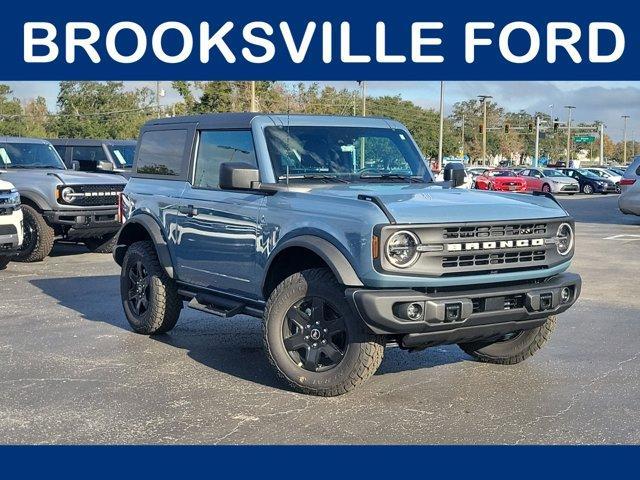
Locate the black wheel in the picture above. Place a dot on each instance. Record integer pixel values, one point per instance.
(38, 237)
(104, 244)
(512, 348)
(546, 188)
(587, 189)
(149, 297)
(4, 261)
(314, 340)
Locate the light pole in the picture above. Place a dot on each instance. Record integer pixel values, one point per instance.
(440, 140)
(624, 139)
(569, 110)
(601, 144)
(551, 117)
(483, 99)
(537, 147)
(462, 139)
(253, 96)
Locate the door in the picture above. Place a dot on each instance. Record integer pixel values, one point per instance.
(217, 229)
(534, 181)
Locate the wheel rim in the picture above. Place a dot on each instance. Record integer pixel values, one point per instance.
(314, 334)
(588, 189)
(545, 188)
(30, 236)
(138, 288)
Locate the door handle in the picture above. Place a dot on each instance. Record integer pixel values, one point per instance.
(188, 210)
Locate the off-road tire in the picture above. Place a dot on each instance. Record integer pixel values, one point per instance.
(164, 303)
(514, 350)
(363, 354)
(104, 244)
(4, 261)
(42, 245)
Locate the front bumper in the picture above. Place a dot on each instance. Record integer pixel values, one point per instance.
(606, 189)
(11, 232)
(85, 223)
(565, 188)
(457, 316)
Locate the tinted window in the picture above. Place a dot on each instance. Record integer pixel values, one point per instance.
(61, 150)
(89, 154)
(216, 147)
(161, 152)
(29, 155)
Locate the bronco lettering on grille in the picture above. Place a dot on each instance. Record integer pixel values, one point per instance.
(464, 247)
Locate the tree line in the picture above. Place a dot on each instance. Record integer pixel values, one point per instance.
(109, 110)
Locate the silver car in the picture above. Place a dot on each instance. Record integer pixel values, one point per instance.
(631, 174)
(629, 201)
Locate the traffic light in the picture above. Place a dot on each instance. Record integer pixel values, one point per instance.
(530, 127)
(480, 128)
(556, 125)
(506, 128)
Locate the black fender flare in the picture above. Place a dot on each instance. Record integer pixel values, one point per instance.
(36, 198)
(150, 225)
(326, 250)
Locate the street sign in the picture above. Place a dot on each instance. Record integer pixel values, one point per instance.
(584, 139)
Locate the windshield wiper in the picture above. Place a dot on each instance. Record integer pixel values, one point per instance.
(314, 176)
(393, 176)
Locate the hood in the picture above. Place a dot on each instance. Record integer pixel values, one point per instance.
(68, 177)
(419, 203)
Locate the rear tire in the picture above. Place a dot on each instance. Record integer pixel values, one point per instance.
(4, 261)
(514, 349)
(313, 339)
(38, 237)
(149, 297)
(104, 244)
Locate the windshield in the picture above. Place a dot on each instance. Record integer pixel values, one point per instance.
(123, 154)
(588, 173)
(29, 155)
(344, 154)
(501, 173)
(553, 173)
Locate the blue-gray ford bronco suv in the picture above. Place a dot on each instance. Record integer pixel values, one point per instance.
(333, 230)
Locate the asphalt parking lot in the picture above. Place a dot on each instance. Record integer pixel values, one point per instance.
(71, 370)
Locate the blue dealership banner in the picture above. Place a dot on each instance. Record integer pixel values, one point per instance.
(326, 40)
(526, 462)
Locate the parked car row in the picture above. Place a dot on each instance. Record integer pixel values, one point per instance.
(548, 180)
(43, 201)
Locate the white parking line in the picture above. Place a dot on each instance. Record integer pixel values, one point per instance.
(623, 236)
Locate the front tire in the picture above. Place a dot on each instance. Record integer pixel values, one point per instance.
(514, 348)
(104, 244)
(149, 297)
(546, 188)
(4, 261)
(313, 339)
(38, 237)
(587, 189)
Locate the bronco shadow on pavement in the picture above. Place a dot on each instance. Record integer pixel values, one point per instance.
(333, 230)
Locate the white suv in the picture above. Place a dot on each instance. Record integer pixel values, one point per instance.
(11, 232)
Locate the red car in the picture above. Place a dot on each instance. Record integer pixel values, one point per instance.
(501, 180)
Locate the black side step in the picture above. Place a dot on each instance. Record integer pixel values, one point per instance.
(219, 306)
(219, 310)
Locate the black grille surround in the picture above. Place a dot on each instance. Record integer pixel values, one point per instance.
(92, 195)
(479, 248)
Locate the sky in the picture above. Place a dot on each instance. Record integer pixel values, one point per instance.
(594, 101)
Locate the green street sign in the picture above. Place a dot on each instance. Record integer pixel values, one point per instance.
(584, 139)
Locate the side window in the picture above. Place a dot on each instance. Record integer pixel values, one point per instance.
(61, 151)
(89, 154)
(536, 173)
(526, 173)
(162, 152)
(217, 147)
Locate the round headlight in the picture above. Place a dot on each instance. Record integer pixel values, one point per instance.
(67, 194)
(402, 249)
(564, 239)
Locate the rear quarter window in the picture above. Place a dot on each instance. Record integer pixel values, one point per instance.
(162, 153)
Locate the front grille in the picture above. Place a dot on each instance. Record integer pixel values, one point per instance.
(8, 230)
(572, 187)
(96, 195)
(494, 259)
(455, 250)
(486, 231)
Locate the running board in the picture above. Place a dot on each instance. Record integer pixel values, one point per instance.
(219, 306)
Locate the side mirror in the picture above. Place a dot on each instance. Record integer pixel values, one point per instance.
(75, 165)
(454, 173)
(238, 176)
(105, 166)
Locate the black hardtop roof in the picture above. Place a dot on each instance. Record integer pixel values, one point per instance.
(89, 142)
(239, 120)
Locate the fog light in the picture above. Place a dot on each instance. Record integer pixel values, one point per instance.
(414, 311)
(565, 294)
